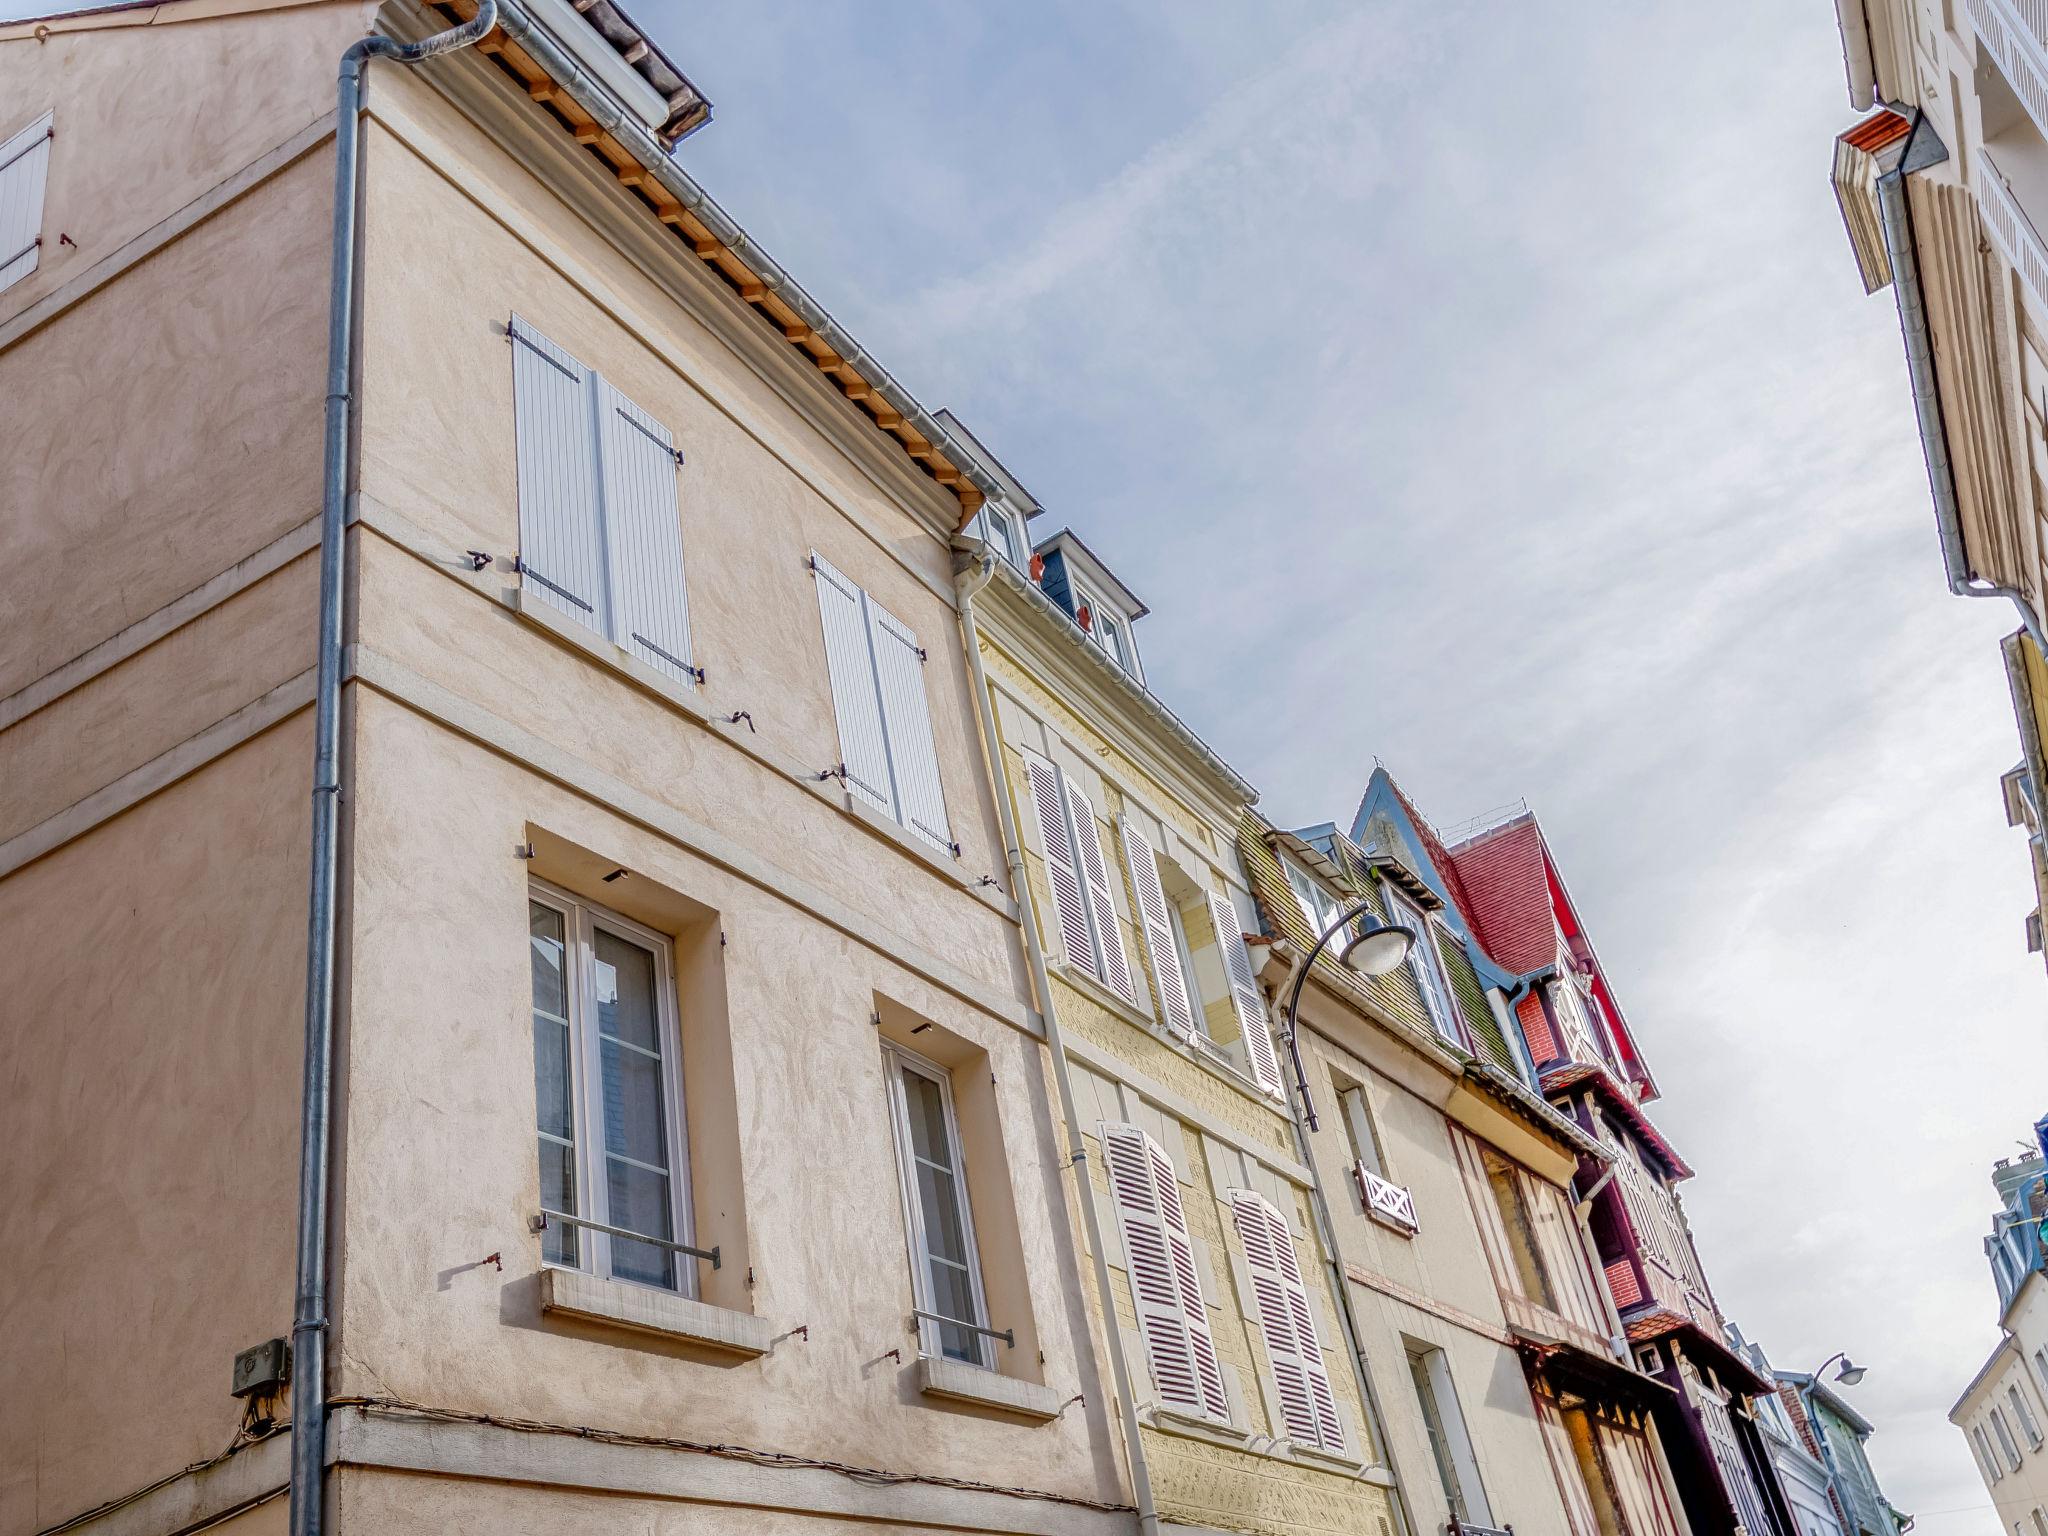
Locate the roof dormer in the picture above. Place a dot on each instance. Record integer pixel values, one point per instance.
(1093, 597)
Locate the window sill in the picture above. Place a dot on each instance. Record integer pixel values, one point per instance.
(590, 1298)
(1169, 1421)
(956, 1381)
(1206, 1053)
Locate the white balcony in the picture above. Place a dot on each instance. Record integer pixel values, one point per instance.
(2011, 230)
(1388, 1204)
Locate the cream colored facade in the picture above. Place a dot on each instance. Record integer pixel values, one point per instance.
(2004, 1414)
(1089, 757)
(162, 373)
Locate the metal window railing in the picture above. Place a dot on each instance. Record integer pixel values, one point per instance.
(1007, 1335)
(540, 1222)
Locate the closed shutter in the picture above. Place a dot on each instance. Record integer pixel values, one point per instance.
(1158, 926)
(907, 724)
(645, 540)
(1245, 994)
(24, 169)
(856, 699)
(1115, 972)
(1165, 1284)
(561, 542)
(1308, 1405)
(1048, 803)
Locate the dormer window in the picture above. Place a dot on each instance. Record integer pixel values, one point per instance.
(1000, 529)
(1319, 908)
(1107, 628)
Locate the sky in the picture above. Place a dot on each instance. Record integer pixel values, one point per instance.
(1497, 399)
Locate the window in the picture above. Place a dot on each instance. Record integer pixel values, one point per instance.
(1358, 1125)
(1319, 909)
(945, 1267)
(2023, 1412)
(2006, 1443)
(1249, 1003)
(1308, 1405)
(1165, 938)
(1451, 1447)
(608, 1093)
(887, 756)
(1067, 833)
(24, 168)
(1166, 1285)
(1504, 1179)
(2041, 1367)
(600, 532)
(1107, 628)
(1189, 979)
(1002, 534)
(1427, 967)
(1992, 1470)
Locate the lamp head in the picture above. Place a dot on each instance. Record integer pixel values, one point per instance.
(1378, 949)
(1850, 1373)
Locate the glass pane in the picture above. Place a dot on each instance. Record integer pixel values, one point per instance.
(944, 1235)
(558, 1193)
(545, 926)
(625, 992)
(927, 1107)
(953, 1296)
(634, 1123)
(551, 1078)
(640, 1203)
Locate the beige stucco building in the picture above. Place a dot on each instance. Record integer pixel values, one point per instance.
(2003, 1412)
(674, 916)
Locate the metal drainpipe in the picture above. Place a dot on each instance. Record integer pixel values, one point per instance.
(309, 1319)
(1326, 1234)
(1895, 217)
(965, 586)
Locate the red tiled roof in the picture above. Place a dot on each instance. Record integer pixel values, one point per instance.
(1736, 1373)
(1876, 131)
(1616, 1098)
(1508, 894)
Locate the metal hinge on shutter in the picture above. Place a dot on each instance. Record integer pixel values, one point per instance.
(513, 336)
(520, 566)
(641, 427)
(672, 659)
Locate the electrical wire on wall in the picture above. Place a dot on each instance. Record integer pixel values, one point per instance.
(259, 1424)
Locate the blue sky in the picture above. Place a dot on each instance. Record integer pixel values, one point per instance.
(1498, 398)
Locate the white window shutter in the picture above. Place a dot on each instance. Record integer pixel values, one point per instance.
(1165, 1285)
(644, 535)
(1048, 804)
(24, 171)
(856, 699)
(1308, 1404)
(1245, 995)
(907, 724)
(1158, 926)
(1115, 971)
(561, 543)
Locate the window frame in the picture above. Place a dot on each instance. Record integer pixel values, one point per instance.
(1184, 953)
(1318, 906)
(2024, 1412)
(1438, 1000)
(1354, 1107)
(2006, 1443)
(1002, 531)
(582, 920)
(32, 138)
(899, 1060)
(1457, 1464)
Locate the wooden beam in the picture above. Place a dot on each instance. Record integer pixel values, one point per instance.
(708, 248)
(946, 477)
(858, 389)
(631, 175)
(888, 419)
(798, 332)
(670, 214)
(830, 360)
(589, 135)
(637, 52)
(753, 293)
(494, 43)
(542, 90)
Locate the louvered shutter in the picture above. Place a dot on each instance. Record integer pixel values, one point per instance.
(1048, 804)
(907, 723)
(1158, 926)
(1165, 1285)
(561, 545)
(1308, 1402)
(1245, 995)
(856, 698)
(1115, 971)
(24, 170)
(644, 535)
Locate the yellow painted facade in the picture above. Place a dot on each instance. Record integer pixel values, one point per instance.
(1053, 697)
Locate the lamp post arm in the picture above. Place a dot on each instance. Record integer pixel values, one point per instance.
(1344, 920)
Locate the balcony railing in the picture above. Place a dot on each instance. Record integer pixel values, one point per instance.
(2015, 33)
(1386, 1202)
(2006, 222)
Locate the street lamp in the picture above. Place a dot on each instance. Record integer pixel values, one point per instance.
(1374, 950)
(1848, 1375)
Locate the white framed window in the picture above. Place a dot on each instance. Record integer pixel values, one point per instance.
(608, 1093)
(888, 757)
(1190, 978)
(1107, 628)
(1165, 938)
(1319, 908)
(1002, 531)
(2041, 1369)
(1427, 967)
(945, 1264)
(24, 173)
(2003, 1432)
(1360, 1128)
(1068, 837)
(1449, 1444)
(1166, 1282)
(2023, 1413)
(600, 526)
(1989, 1460)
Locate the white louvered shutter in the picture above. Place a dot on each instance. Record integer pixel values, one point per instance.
(1165, 1285)
(1048, 804)
(1245, 995)
(907, 724)
(856, 699)
(1115, 970)
(644, 535)
(561, 543)
(1308, 1405)
(1158, 926)
(24, 171)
